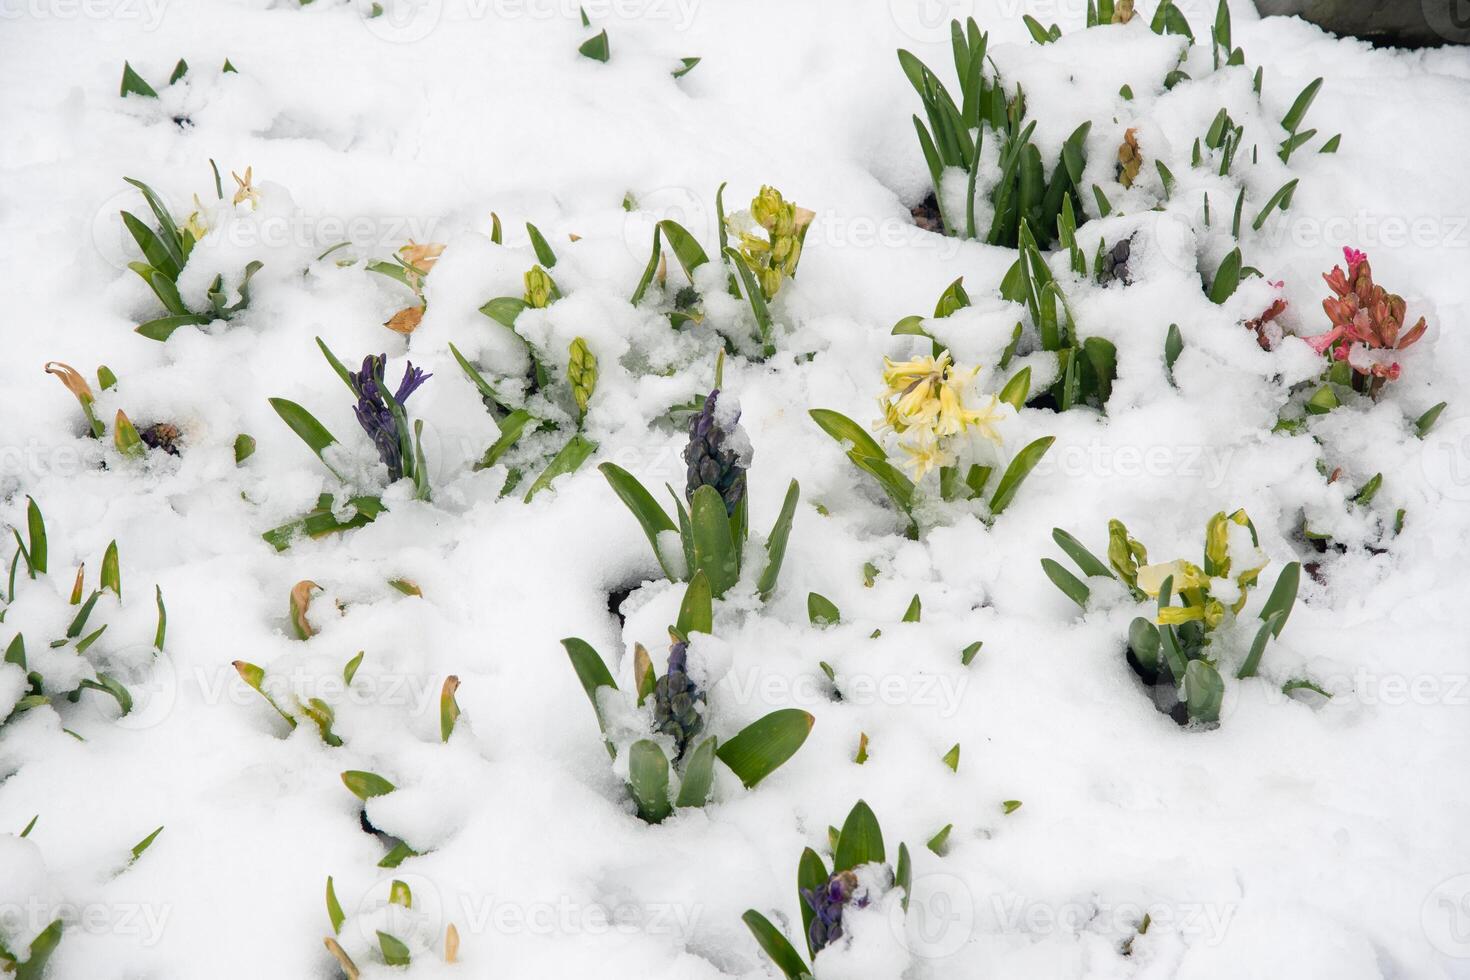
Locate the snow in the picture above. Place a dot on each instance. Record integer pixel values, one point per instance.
(1305, 837)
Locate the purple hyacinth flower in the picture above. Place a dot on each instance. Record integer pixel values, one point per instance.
(386, 428)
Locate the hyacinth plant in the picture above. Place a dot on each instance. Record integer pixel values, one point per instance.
(1177, 654)
(127, 438)
(382, 414)
(399, 933)
(769, 237)
(953, 140)
(134, 84)
(410, 266)
(859, 876)
(657, 728)
(544, 399)
(166, 248)
(714, 528)
(80, 660)
(42, 945)
(1367, 328)
(938, 427)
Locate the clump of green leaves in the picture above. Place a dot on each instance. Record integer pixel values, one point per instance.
(952, 134)
(1176, 654)
(547, 398)
(1086, 366)
(825, 893)
(394, 948)
(83, 637)
(134, 84)
(657, 726)
(166, 248)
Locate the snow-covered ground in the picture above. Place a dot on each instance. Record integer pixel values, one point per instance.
(1302, 837)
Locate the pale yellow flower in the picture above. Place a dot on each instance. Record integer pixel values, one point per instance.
(1185, 575)
(925, 453)
(246, 190)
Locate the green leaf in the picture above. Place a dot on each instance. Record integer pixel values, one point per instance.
(1227, 278)
(1258, 645)
(715, 550)
(1017, 471)
(1332, 144)
(144, 844)
(504, 310)
(821, 611)
(952, 758)
(1281, 199)
(577, 451)
(396, 855)
(648, 778)
(168, 228)
(544, 254)
(776, 543)
(45, 943)
(133, 84)
(1283, 596)
(596, 47)
(686, 247)
(650, 516)
(349, 671)
(366, 785)
(687, 66)
(1298, 110)
(448, 708)
(861, 840)
(153, 250)
(395, 953)
(162, 629)
(699, 774)
(755, 297)
(1426, 421)
(937, 842)
(244, 447)
(105, 682)
(776, 946)
(1086, 560)
(765, 744)
(1072, 587)
(334, 908)
(1203, 691)
(591, 671)
(696, 612)
(846, 432)
(161, 328)
(903, 874)
(899, 488)
(36, 532)
(306, 426)
(1173, 347)
(967, 655)
(1143, 640)
(1015, 391)
(1369, 490)
(914, 611)
(180, 70)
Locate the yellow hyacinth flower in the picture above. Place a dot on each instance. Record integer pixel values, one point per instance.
(925, 453)
(1185, 575)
